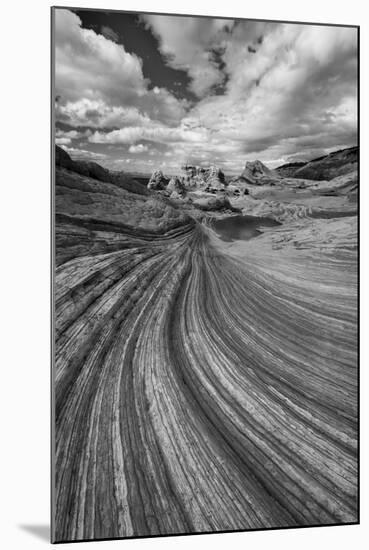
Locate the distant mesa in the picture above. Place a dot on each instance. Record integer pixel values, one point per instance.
(326, 167)
(97, 172)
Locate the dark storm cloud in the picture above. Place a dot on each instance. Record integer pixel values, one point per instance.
(129, 30)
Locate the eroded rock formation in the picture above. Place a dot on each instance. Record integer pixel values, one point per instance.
(238, 186)
(256, 173)
(210, 180)
(157, 182)
(176, 187)
(209, 203)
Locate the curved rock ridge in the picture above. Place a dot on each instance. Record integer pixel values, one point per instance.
(199, 386)
(95, 171)
(288, 170)
(346, 184)
(327, 167)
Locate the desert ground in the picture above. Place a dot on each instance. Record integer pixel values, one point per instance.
(205, 349)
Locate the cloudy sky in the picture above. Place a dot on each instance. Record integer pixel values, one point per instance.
(142, 92)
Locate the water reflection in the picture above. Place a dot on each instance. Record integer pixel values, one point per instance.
(244, 228)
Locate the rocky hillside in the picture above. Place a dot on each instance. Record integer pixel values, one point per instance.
(288, 170)
(203, 385)
(327, 167)
(208, 189)
(92, 214)
(97, 172)
(210, 180)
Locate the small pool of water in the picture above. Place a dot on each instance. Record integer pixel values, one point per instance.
(244, 228)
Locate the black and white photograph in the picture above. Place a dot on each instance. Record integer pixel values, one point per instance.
(205, 190)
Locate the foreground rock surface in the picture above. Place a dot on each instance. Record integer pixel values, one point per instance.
(201, 385)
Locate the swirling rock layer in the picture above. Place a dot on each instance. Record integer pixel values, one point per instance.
(199, 386)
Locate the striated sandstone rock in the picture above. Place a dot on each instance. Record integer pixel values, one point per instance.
(86, 208)
(215, 180)
(97, 172)
(209, 203)
(288, 170)
(327, 167)
(176, 187)
(177, 356)
(157, 182)
(346, 184)
(209, 179)
(256, 173)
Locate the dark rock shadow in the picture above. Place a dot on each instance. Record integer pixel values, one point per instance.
(40, 531)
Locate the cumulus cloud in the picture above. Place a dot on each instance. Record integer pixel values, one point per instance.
(140, 148)
(287, 91)
(96, 114)
(83, 154)
(159, 133)
(93, 68)
(62, 141)
(71, 134)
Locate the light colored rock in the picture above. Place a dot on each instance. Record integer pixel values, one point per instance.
(157, 182)
(176, 187)
(256, 173)
(210, 203)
